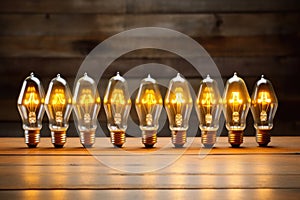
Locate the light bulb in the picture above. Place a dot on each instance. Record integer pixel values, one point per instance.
(148, 105)
(58, 104)
(208, 107)
(178, 104)
(86, 103)
(117, 106)
(236, 103)
(31, 109)
(264, 105)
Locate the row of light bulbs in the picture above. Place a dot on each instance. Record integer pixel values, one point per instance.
(86, 102)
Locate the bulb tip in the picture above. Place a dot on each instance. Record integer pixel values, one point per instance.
(208, 76)
(32, 74)
(58, 75)
(262, 76)
(118, 73)
(85, 74)
(149, 76)
(235, 74)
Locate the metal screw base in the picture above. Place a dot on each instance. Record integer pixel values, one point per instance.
(235, 138)
(117, 138)
(263, 138)
(32, 138)
(87, 138)
(58, 138)
(208, 138)
(149, 138)
(178, 138)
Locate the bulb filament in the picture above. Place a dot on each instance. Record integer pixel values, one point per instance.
(178, 100)
(118, 99)
(264, 103)
(31, 102)
(58, 102)
(236, 103)
(207, 102)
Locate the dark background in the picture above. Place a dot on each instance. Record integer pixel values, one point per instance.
(252, 37)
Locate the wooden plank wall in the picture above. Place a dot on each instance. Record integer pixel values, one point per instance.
(251, 37)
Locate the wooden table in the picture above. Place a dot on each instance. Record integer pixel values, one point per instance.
(78, 173)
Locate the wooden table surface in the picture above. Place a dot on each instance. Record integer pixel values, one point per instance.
(163, 172)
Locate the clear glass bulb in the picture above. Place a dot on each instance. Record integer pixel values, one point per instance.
(178, 104)
(263, 106)
(236, 102)
(117, 106)
(86, 103)
(31, 108)
(148, 105)
(58, 104)
(208, 107)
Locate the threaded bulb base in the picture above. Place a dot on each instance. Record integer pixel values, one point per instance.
(87, 138)
(32, 138)
(149, 138)
(178, 138)
(58, 138)
(263, 138)
(117, 138)
(208, 138)
(235, 138)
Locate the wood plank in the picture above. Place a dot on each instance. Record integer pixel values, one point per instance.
(77, 46)
(66, 6)
(247, 66)
(194, 25)
(194, 6)
(11, 147)
(231, 194)
(144, 6)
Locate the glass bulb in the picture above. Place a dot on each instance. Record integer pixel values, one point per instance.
(31, 108)
(208, 107)
(117, 106)
(58, 104)
(148, 105)
(178, 104)
(264, 105)
(236, 102)
(86, 103)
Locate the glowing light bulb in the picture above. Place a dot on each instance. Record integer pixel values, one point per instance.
(86, 103)
(148, 105)
(31, 108)
(117, 106)
(263, 106)
(178, 104)
(236, 102)
(208, 107)
(58, 104)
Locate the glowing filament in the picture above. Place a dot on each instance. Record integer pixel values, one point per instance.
(118, 99)
(264, 102)
(148, 100)
(31, 102)
(207, 102)
(87, 101)
(236, 104)
(178, 100)
(58, 102)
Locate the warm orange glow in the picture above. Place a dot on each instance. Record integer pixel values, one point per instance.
(31, 101)
(264, 100)
(207, 101)
(236, 103)
(58, 103)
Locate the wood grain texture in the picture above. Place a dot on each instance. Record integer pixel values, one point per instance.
(77, 46)
(76, 172)
(144, 6)
(194, 25)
